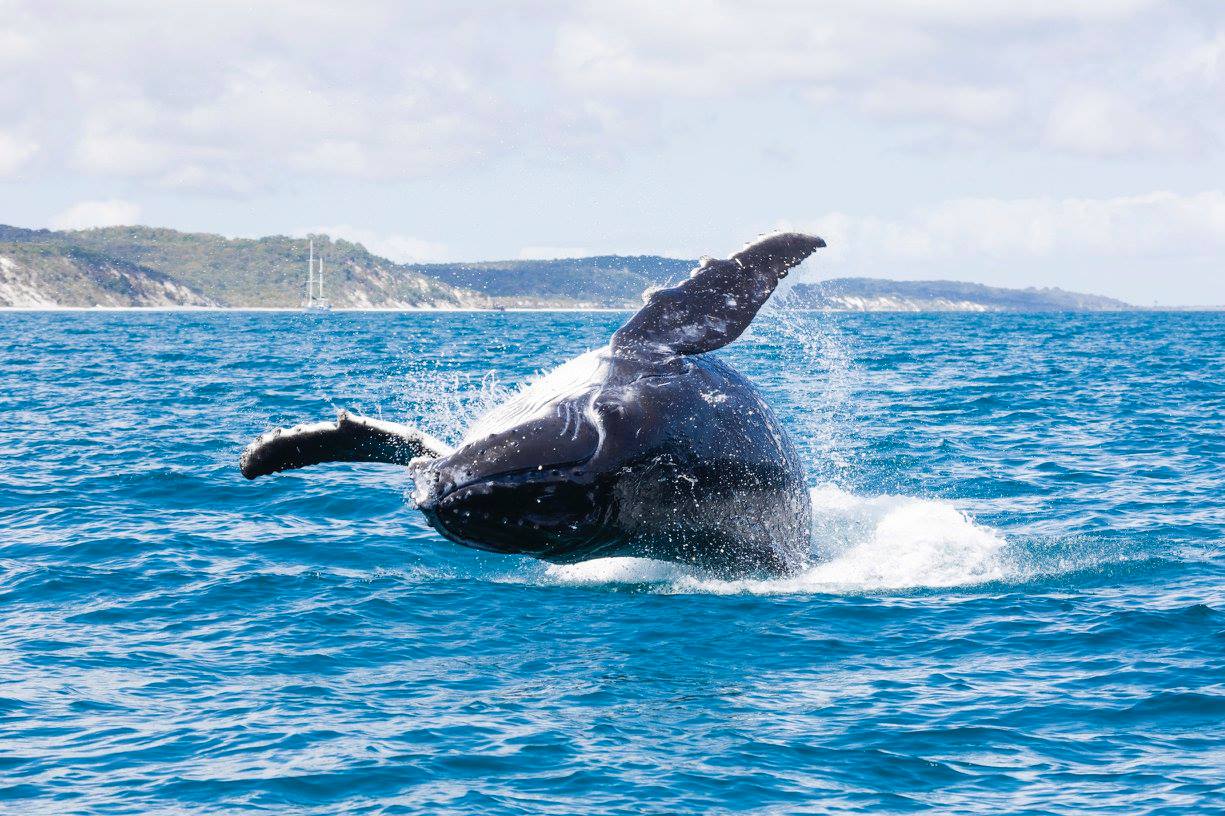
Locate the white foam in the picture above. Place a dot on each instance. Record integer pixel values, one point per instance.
(860, 544)
(616, 571)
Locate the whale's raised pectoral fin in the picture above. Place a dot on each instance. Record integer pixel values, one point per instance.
(717, 302)
(348, 439)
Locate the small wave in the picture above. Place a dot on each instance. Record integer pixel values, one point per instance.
(616, 571)
(860, 544)
(895, 542)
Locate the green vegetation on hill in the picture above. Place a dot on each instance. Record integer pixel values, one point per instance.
(604, 280)
(872, 294)
(269, 271)
(149, 266)
(36, 274)
(265, 272)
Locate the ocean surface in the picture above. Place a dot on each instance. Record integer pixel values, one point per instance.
(1016, 601)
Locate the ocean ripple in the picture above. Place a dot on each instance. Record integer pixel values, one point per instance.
(1015, 602)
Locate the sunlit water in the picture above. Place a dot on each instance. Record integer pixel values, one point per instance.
(1016, 601)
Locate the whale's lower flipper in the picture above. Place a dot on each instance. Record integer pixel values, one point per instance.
(717, 302)
(348, 439)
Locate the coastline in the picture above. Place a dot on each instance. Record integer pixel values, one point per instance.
(570, 309)
(299, 310)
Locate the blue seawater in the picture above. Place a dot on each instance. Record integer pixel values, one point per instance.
(1016, 603)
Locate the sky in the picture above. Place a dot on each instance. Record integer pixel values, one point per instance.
(1070, 143)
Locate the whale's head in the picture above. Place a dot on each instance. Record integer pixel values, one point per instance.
(522, 480)
(527, 489)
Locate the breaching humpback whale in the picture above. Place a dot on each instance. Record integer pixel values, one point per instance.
(649, 447)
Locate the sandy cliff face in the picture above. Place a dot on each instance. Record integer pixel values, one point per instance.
(267, 272)
(143, 266)
(47, 277)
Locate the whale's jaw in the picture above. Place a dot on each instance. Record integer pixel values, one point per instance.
(549, 514)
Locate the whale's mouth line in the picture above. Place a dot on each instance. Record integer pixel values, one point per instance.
(507, 478)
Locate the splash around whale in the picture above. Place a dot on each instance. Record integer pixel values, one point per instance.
(648, 447)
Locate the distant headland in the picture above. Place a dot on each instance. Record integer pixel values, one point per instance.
(157, 267)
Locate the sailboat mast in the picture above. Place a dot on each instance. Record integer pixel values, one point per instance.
(310, 275)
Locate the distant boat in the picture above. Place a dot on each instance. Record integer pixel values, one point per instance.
(314, 283)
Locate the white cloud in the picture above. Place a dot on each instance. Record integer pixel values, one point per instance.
(15, 152)
(15, 46)
(550, 253)
(1101, 122)
(182, 97)
(1159, 223)
(398, 248)
(87, 214)
(701, 49)
(217, 180)
(957, 103)
(228, 98)
(1003, 11)
(113, 153)
(1201, 59)
(1128, 241)
(996, 68)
